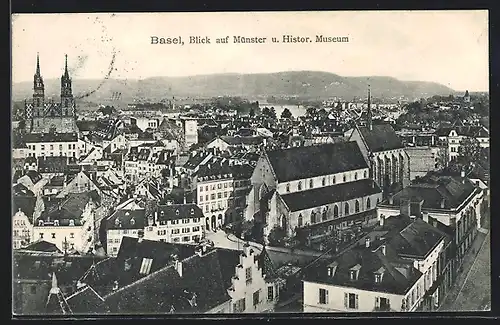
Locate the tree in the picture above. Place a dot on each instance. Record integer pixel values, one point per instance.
(276, 236)
(286, 114)
(266, 111)
(272, 113)
(469, 150)
(252, 112)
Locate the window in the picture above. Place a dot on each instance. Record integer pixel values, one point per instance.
(248, 275)
(125, 231)
(201, 198)
(365, 174)
(115, 249)
(368, 203)
(219, 186)
(53, 235)
(219, 195)
(323, 296)
(176, 240)
(239, 306)
(212, 196)
(56, 222)
(300, 221)
(146, 266)
(378, 278)
(72, 222)
(175, 231)
(225, 185)
(33, 289)
(345, 177)
(270, 293)
(356, 176)
(288, 188)
(185, 230)
(323, 181)
(201, 188)
(382, 304)
(51, 147)
(206, 188)
(72, 235)
(197, 228)
(256, 298)
(225, 194)
(346, 208)
(336, 211)
(333, 179)
(60, 147)
(351, 300)
(299, 186)
(356, 206)
(311, 183)
(206, 197)
(185, 238)
(313, 217)
(185, 220)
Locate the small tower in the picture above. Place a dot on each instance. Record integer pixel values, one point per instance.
(56, 302)
(67, 101)
(369, 111)
(467, 97)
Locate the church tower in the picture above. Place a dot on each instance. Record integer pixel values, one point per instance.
(67, 100)
(38, 90)
(369, 111)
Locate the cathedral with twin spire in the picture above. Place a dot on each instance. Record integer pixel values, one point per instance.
(44, 115)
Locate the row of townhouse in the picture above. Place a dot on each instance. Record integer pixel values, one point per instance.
(411, 259)
(173, 223)
(451, 137)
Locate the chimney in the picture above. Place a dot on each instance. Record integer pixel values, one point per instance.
(140, 236)
(178, 267)
(443, 201)
(382, 221)
(425, 216)
(404, 207)
(462, 173)
(184, 198)
(382, 249)
(367, 242)
(391, 200)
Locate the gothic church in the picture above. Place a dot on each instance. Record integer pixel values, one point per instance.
(43, 115)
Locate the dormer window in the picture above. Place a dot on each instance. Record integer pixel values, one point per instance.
(331, 268)
(56, 223)
(378, 278)
(311, 183)
(162, 213)
(132, 221)
(192, 211)
(71, 223)
(40, 222)
(299, 186)
(288, 188)
(354, 272)
(117, 221)
(176, 212)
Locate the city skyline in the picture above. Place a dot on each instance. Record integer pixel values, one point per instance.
(424, 36)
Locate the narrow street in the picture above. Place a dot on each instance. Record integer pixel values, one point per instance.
(472, 291)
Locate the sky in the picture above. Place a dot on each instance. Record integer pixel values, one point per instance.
(448, 47)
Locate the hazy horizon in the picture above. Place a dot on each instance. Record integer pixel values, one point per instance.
(445, 47)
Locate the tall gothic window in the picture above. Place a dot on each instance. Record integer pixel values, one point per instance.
(356, 206)
(368, 203)
(346, 208)
(313, 217)
(311, 183)
(323, 181)
(336, 211)
(324, 215)
(365, 174)
(299, 186)
(345, 177)
(288, 188)
(300, 221)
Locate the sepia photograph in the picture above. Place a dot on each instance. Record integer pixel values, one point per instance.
(331, 162)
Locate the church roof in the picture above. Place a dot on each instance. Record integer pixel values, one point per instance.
(312, 161)
(381, 137)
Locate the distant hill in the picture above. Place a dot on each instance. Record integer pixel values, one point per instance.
(295, 83)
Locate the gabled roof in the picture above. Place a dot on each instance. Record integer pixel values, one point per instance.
(320, 196)
(126, 219)
(86, 301)
(382, 137)
(312, 161)
(417, 239)
(368, 261)
(468, 131)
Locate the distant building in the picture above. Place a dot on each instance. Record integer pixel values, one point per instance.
(53, 144)
(451, 137)
(422, 160)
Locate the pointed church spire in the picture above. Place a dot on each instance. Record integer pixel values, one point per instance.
(369, 111)
(37, 64)
(66, 74)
